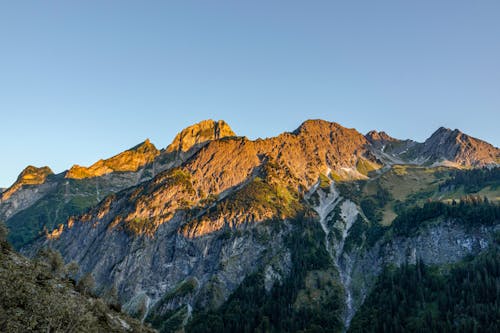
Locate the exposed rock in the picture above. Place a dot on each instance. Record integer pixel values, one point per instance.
(129, 160)
(29, 176)
(214, 208)
(199, 133)
(454, 146)
(224, 166)
(31, 185)
(38, 297)
(439, 243)
(444, 147)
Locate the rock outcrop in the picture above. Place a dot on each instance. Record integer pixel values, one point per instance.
(39, 296)
(128, 161)
(446, 145)
(214, 208)
(29, 176)
(32, 184)
(202, 132)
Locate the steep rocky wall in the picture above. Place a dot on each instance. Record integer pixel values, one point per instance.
(440, 243)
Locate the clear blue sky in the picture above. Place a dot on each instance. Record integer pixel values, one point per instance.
(83, 80)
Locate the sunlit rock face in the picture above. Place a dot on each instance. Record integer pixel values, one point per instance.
(44, 200)
(129, 160)
(186, 217)
(213, 208)
(242, 170)
(29, 176)
(32, 184)
(201, 132)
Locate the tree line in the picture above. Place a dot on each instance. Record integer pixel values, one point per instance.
(421, 298)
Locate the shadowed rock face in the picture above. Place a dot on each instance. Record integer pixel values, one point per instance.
(459, 148)
(380, 139)
(44, 203)
(36, 296)
(443, 147)
(201, 132)
(289, 163)
(214, 208)
(129, 160)
(172, 227)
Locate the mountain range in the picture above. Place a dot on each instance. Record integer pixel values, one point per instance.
(306, 220)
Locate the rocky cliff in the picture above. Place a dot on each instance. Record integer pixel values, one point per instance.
(446, 145)
(214, 210)
(202, 132)
(40, 296)
(31, 185)
(129, 160)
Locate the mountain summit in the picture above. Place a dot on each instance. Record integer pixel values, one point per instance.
(29, 176)
(199, 133)
(129, 160)
(215, 216)
(457, 147)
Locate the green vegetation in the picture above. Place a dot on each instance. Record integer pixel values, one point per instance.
(251, 309)
(170, 320)
(179, 177)
(420, 298)
(40, 296)
(48, 213)
(364, 166)
(4, 231)
(173, 320)
(472, 180)
(261, 196)
(52, 210)
(470, 210)
(364, 233)
(402, 185)
(373, 205)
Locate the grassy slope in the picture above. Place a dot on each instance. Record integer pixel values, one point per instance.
(413, 185)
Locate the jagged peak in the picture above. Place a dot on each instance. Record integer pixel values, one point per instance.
(376, 136)
(205, 130)
(31, 175)
(460, 148)
(312, 125)
(443, 135)
(31, 171)
(144, 146)
(129, 160)
(444, 131)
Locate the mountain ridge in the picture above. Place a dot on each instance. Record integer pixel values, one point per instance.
(199, 222)
(192, 135)
(317, 147)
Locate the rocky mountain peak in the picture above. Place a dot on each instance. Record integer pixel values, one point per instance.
(206, 130)
(144, 147)
(129, 160)
(443, 134)
(379, 137)
(31, 175)
(459, 148)
(315, 126)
